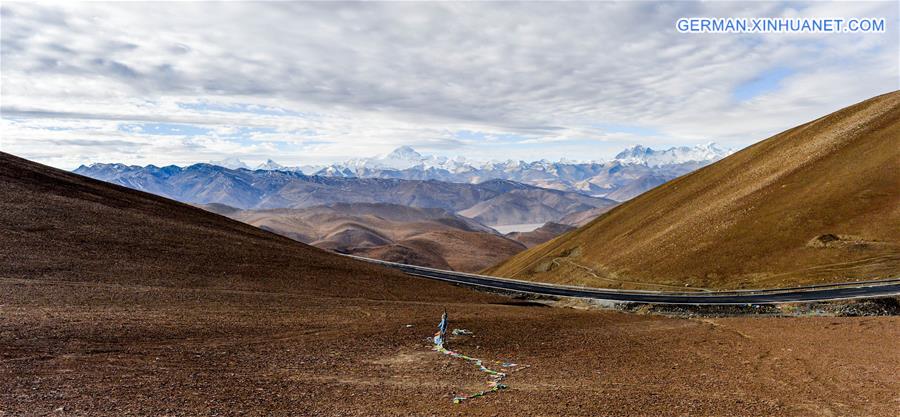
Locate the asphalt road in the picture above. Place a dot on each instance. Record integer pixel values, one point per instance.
(866, 289)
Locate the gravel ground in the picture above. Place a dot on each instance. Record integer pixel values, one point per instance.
(99, 349)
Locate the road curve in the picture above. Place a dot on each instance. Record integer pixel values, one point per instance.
(863, 289)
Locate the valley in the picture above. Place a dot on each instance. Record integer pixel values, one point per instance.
(417, 236)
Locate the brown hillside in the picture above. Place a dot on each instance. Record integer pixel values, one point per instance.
(59, 226)
(817, 203)
(582, 218)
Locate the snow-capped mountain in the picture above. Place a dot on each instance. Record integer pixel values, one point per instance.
(335, 171)
(633, 171)
(230, 163)
(271, 165)
(406, 158)
(403, 158)
(497, 202)
(677, 155)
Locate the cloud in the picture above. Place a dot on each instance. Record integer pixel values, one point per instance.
(311, 82)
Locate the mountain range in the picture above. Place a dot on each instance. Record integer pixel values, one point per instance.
(493, 202)
(631, 172)
(819, 203)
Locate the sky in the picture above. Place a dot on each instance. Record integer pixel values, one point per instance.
(309, 83)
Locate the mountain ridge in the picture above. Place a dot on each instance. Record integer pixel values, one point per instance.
(630, 169)
(599, 178)
(406, 157)
(267, 189)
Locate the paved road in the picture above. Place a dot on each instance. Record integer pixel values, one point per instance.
(868, 289)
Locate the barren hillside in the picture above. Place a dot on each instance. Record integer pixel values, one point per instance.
(817, 203)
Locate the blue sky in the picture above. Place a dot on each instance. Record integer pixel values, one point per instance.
(769, 81)
(164, 129)
(307, 83)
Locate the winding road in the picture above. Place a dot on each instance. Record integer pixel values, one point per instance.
(843, 291)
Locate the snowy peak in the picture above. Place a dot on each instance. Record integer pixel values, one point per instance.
(270, 165)
(230, 163)
(406, 153)
(403, 157)
(406, 162)
(636, 151)
(639, 154)
(107, 169)
(335, 171)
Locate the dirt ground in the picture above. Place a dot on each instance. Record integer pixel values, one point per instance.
(69, 348)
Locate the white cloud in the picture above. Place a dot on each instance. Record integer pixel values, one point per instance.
(311, 82)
